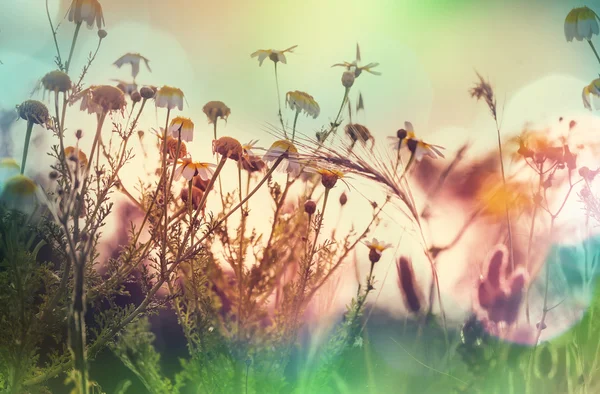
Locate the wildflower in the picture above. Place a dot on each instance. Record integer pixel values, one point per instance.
(169, 97)
(182, 128)
(376, 248)
(76, 155)
(228, 147)
(348, 79)
(189, 169)
(147, 92)
(134, 59)
(420, 149)
(215, 110)
(329, 177)
(86, 11)
(300, 101)
(172, 144)
(495, 197)
(310, 207)
(197, 195)
(57, 81)
(411, 292)
(291, 163)
(34, 111)
(581, 23)
(355, 68)
(274, 55)
(593, 89)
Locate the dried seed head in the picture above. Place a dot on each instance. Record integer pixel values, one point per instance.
(348, 78)
(310, 207)
(109, 98)
(34, 111)
(57, 81)
(147, 92)
(343, 199)
(411, 293)
(228, 147)
(215, 110)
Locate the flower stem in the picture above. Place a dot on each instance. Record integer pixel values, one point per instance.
(241, 256)
(279, 100)
(510, 238)
(334, 125)
(75, 35)
(26, 148)
(163, 265)
(594, 49)
(294, 127)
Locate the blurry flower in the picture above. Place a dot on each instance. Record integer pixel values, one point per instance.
(197, 195)
(76, 155)
(291, 163)
(21, 193)
(300, 101)
(592, 89)
(189, 169)
(495, 197)
(86, 11)
(376, 248)
(172, 148)
(8, 168)
(348, 79)
(134, 59)
(184, 126)
(126, 87)
(228, 147)
(169, 97)
(310, 207)
(34, 111)
(581, 23)
(407, 282)
(57, 81)
(274, 55)
(147, 92)
(215, 110)
(420, 149)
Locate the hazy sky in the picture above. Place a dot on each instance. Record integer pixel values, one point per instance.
(428, 50)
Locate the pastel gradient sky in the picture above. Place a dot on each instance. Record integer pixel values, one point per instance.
(429, 51)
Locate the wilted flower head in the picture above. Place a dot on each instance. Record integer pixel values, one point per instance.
(291, 162)
(376, 248)
(274, 55)
(169, 97)
(109, 98)
(34, 111)
(593, 89)
(300, 101)
(134, 59)
(172, 144)
(228, 147)
(86, 11)
(57, 81)
(581, 23)
(189, 169)
(252, 163)
(215, 110)
(182, 126)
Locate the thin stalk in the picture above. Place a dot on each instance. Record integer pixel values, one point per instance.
(294, 127)
(59, 127)
(58, 58)
(529, 247)
(510, 237)
(594, 49)
(26, 148)
(334, 125)
(279, 100)
(163, 264)
(75, 35)
(241, 256)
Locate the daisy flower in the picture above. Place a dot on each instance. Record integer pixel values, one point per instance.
(182, 126)
(21, 193)
(189, 169)
(8, 168)
(134, 59)
(228, 147)
(302, 102)
(169, 97)
(291, 162)
(274, 55)
(355, 68)
(329, 177)
(402, 135)
(376, 248)
(86, 11)
(581, 23)
(593, 89)
(420, 149)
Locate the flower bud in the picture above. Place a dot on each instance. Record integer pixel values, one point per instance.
(348, 79)
(343, 199)
(374, 255)
(147, 92)
(102, 34)
(310, 207)
(136, 97)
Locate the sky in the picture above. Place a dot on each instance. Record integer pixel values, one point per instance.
(429, 52)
